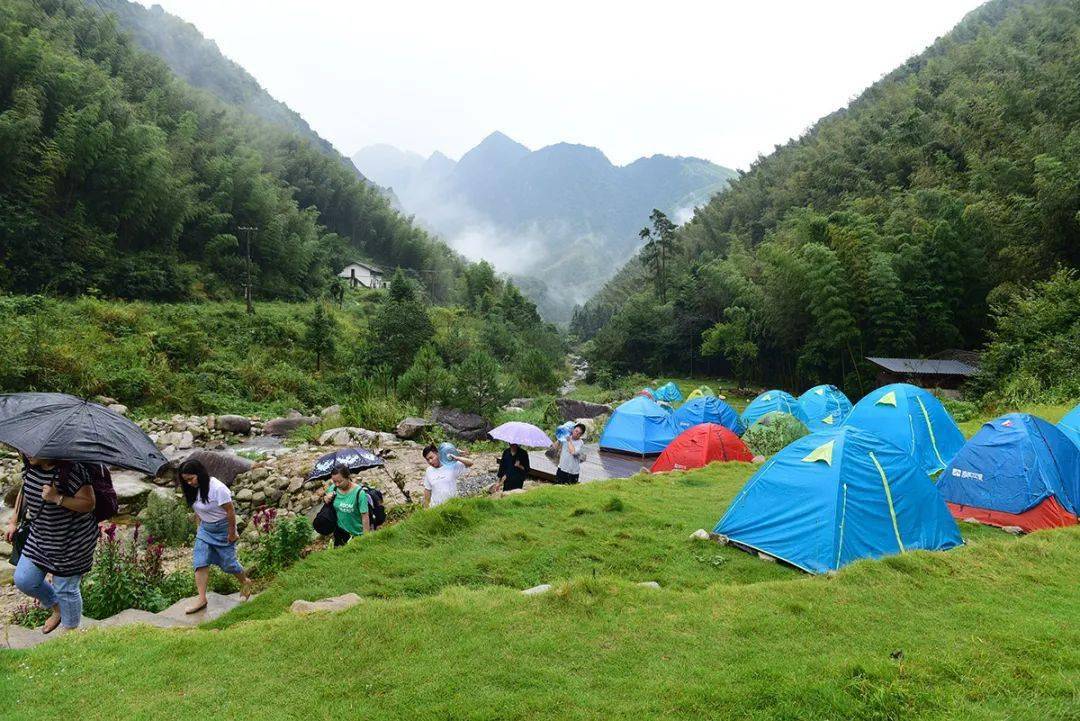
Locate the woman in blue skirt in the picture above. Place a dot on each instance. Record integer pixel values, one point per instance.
(215, 540)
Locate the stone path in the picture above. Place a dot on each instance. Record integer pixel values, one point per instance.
(17, 637)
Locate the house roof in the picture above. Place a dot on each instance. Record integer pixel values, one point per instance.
(369, 266)
(924, 366)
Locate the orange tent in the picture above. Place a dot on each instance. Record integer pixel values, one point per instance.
(699, 446)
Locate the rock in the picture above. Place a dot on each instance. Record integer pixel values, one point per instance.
(336, 437)
(5, 549)
(104, 401)
(758, 459)
(274, 494)
(335, 603)
(700, 535)
(223, 466)
(649, 584)
(333, 411)
(570, 409)
(131, 489)
(385, 440)
(258, 497)
(589, 423)
(1015, 530)
(119, 408)
(522, 402)
(244, 494)
(295, 485)
(233, 424)
(466, 426)
(186, 441)
(285, 426)
(537, 590)
(766, 557)
(411, 427)
(513, 409)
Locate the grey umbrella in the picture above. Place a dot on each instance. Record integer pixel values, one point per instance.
(62, 427)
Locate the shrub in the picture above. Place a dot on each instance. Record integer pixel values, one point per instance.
(961, 411)
(28, 615)
(773, 432)
(168, 521)
(278, 542)
(125, 574)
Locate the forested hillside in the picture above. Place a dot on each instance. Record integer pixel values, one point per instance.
(199, 62)
(891, 228)
(119, 179)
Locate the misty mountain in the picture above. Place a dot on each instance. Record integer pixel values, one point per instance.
(198, 61)
(561, 219)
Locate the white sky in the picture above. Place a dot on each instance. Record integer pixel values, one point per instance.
(720, 80)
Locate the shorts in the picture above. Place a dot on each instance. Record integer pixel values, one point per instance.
(224, 557)
(562, 476)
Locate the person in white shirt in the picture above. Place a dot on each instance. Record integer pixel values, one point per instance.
(571, 454)
(215, 539)
(440, 479)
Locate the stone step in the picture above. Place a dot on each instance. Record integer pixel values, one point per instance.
(17, 637)
(132, 616)
(217, 606)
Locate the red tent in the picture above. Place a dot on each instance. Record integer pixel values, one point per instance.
(699, 446)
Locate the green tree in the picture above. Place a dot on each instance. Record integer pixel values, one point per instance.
(537, 372)
(477, 385)
(400, 329)
(427, 380)
(321, 329)
(661, 243)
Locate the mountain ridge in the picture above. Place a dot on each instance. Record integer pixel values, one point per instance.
(521, 208)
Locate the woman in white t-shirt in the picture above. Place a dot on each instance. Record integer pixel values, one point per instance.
(215, 539)
(440, 479)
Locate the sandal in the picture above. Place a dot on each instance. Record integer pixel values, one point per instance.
(51, 623)
(245, 590)
(196, 609)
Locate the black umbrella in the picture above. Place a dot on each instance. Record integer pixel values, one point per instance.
(57, 426)
(357, 459)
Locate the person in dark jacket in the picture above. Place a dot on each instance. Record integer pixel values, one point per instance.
(513, 468)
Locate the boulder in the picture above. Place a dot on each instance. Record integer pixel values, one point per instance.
(649, 584)
(335, 603)
(131, 489)
(119, 408)
(185, 441)
(522, 402)
(700, 535)
(223, 466)
(333, 411)
(285, 426)
(570, 409)
(411, 427)
(460, 424)
(233, 424)
(589, 423)
(104, 400)
(244, 494)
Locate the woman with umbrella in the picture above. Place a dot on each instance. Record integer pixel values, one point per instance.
(58, 508)
(350, 506)
(57, 500)
(514, 464)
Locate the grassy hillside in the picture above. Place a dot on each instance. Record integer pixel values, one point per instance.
(897, 226)
(986, 631)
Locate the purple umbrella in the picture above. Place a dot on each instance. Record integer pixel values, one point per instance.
(523, 434)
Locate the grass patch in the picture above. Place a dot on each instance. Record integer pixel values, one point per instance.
(986, 631)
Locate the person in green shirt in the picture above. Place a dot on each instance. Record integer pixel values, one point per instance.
(351, 505)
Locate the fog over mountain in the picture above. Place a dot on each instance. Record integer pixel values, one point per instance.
(559, 219)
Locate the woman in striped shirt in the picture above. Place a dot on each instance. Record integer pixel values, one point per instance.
(59, 501)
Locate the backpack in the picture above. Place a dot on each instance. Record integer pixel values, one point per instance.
(376, 509)
(105, 505)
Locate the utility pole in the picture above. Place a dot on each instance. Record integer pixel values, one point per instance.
(248, 230)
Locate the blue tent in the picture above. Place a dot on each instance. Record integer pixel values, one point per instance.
(668, 392)
(911, 418)
(1070, 425)
(825, 406)
(708, 409)
(1013, 465)
(771, 401)
(639, 426)
(837, 496)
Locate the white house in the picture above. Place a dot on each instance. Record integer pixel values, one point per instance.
(362, 274)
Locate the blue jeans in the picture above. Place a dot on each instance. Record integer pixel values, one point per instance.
(64, 591)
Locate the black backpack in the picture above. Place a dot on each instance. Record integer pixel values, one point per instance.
(106, 504)
(376, 509)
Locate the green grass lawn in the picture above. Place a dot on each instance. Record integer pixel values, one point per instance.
(987, 631)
